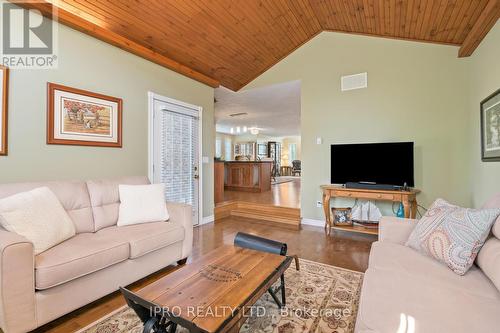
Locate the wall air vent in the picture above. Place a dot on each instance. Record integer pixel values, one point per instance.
(238, 114)
(356, 81)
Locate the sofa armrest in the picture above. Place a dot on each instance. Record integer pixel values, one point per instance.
(17, 283)
(183, 215)
(395, 230)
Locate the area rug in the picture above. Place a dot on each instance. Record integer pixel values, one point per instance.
(320, 299)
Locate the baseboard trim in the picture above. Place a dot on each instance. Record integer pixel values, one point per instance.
(208, 219)
(313, 222)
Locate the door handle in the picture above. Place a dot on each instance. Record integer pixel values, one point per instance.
(196, 177)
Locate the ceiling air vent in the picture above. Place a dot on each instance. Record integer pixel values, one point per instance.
(356, 81)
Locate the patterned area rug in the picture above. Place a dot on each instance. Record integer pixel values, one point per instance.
(320, 299)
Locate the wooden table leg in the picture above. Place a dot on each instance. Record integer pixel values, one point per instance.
(414, 208)
(326, 208)
(407, 207)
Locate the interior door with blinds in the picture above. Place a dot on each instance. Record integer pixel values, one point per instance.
(176, 152)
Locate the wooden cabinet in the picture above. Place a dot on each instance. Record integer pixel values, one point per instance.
(248, 176)
(218, 181)
(240, 174)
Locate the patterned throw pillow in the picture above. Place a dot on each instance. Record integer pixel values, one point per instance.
(451, 234)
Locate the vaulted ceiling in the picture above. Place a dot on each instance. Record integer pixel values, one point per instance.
(231, 42)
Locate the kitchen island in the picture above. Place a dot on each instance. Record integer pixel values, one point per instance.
(248, 176)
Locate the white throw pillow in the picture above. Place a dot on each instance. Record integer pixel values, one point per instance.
(142, 204)
(37, 215)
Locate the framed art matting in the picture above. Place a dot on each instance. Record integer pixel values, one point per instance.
(4, 95)
(83, 118)
(490, 127)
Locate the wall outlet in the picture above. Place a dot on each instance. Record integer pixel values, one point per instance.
(319, 204)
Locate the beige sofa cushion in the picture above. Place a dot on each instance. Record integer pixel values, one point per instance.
(488, 260)
(73, 196)
(404, 260)
(105, 199)
(395, 302)
(395, 230)
(403, 287)
(78, 256)
(147, 237)
(37, 215)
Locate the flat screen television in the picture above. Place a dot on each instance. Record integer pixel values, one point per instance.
(374, 163)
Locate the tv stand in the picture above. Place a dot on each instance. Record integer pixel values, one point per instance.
(408, 198)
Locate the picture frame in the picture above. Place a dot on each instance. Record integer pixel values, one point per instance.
(490, 128)
(83, 118)
(4, 96)
(342, 216)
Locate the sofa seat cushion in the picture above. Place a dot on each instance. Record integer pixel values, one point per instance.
(404, 291)
(404, 260)
(78, 256)
(147, 237)
(396, 302)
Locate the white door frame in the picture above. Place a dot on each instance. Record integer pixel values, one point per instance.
(151, 98)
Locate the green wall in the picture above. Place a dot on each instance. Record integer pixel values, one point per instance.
(484, 80)
(89, 64)
(416, 92)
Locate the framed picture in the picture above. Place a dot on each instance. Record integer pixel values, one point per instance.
(83, 118)
(490, 127)
(4, 95)
(341, 216)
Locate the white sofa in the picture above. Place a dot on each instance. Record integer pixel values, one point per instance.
(406, 292)
(95, 262)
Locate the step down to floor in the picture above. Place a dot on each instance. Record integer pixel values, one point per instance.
(276, 215)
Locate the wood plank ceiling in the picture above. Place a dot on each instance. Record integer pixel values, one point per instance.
(231, 42)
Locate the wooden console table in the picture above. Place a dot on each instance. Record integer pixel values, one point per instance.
(408, 198)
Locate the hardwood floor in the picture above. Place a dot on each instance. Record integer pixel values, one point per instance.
(340, 249)
(284, 194)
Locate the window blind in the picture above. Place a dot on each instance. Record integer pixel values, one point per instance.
(179, 142)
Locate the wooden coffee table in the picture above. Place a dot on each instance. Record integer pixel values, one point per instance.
(212, 294)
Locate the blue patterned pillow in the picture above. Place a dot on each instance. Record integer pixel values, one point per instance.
(452, 235)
